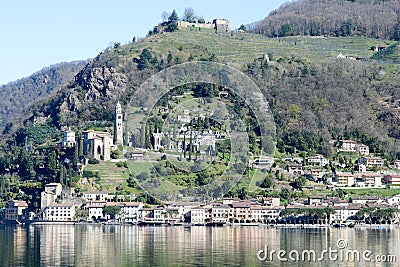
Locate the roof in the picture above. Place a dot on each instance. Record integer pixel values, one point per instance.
(372, 174)
(244, 204)
(53, 184)
(95, 206)
(316, 197)
(366, 198)
(216, 206)
(95, 192)
(347, 141)
(60, 205)
(132, 204)
(20, 203)
(259, 207)
(348, 174)
(348, 207)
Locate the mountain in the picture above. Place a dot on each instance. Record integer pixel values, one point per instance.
(315, 97)
(369, 18)
(16, 97)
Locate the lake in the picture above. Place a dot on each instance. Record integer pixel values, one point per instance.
(128, 245)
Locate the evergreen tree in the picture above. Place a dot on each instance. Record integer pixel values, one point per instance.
(242, 28)
(80, 145)
(145, 59)
(172, 22)
(52, 163)
(76, 156)
(173, 17)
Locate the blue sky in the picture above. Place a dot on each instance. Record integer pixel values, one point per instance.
(36, 34)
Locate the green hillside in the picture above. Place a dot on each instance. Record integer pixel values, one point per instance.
(315, 97)
(238, 47)
(389, 55)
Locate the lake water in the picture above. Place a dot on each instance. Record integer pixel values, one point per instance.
(119, 245)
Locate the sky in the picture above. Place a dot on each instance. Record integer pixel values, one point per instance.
(37, 34)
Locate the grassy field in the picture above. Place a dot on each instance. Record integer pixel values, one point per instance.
(383, 192)
(110, 174)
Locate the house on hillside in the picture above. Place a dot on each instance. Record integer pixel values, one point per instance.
(317, 160)
(68, 139)
(372, 179)
(295, 169)
(371, 162)
(344, 179)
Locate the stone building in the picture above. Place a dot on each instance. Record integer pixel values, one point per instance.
(221, 25)
(97, 144)
(118, 127)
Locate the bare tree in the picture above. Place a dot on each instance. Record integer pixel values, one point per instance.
(189, 15)
(165, 15)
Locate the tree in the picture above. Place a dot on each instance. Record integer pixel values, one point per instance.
(267, 182)
(145, 58)
(242, 28)
(173, 17)
(164, 16)
(286, 30)
(76, 155)
(293, 111)
(143, 176)
(300, 182)
(172, 22)
(188, 15)
(112, 211)
(52, 163)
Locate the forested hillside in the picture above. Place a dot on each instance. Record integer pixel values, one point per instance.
(370, 18)
(315, 97)
(15, 97)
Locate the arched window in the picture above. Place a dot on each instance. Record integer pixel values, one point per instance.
(99, 150)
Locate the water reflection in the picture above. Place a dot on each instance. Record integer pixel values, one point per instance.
(100, 245)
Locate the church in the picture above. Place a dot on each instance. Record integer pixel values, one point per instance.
(98, 144)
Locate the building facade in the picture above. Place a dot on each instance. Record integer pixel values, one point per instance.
(118, 125)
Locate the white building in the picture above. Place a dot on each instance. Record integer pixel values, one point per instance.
(93, 196)
(318, 160)
(344, 213)
(347, 145)
(394, 199)
(265, 213)
(372, 179)
(221, 213)
(130, 211)
(59, 212)
(68, 139)
(50, 194)
(96, 210)
(198, 215)
(263, 162)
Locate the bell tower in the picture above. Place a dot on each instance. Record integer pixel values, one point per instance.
(118, 120)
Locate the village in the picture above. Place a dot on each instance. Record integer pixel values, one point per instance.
(60, 203)
(101, 207)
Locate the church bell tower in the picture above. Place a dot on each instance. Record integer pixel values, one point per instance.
(118, 120)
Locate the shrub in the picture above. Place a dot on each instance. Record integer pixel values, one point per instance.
(93, 161)
(88, 174)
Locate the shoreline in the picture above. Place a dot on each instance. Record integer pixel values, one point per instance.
(236, 225)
